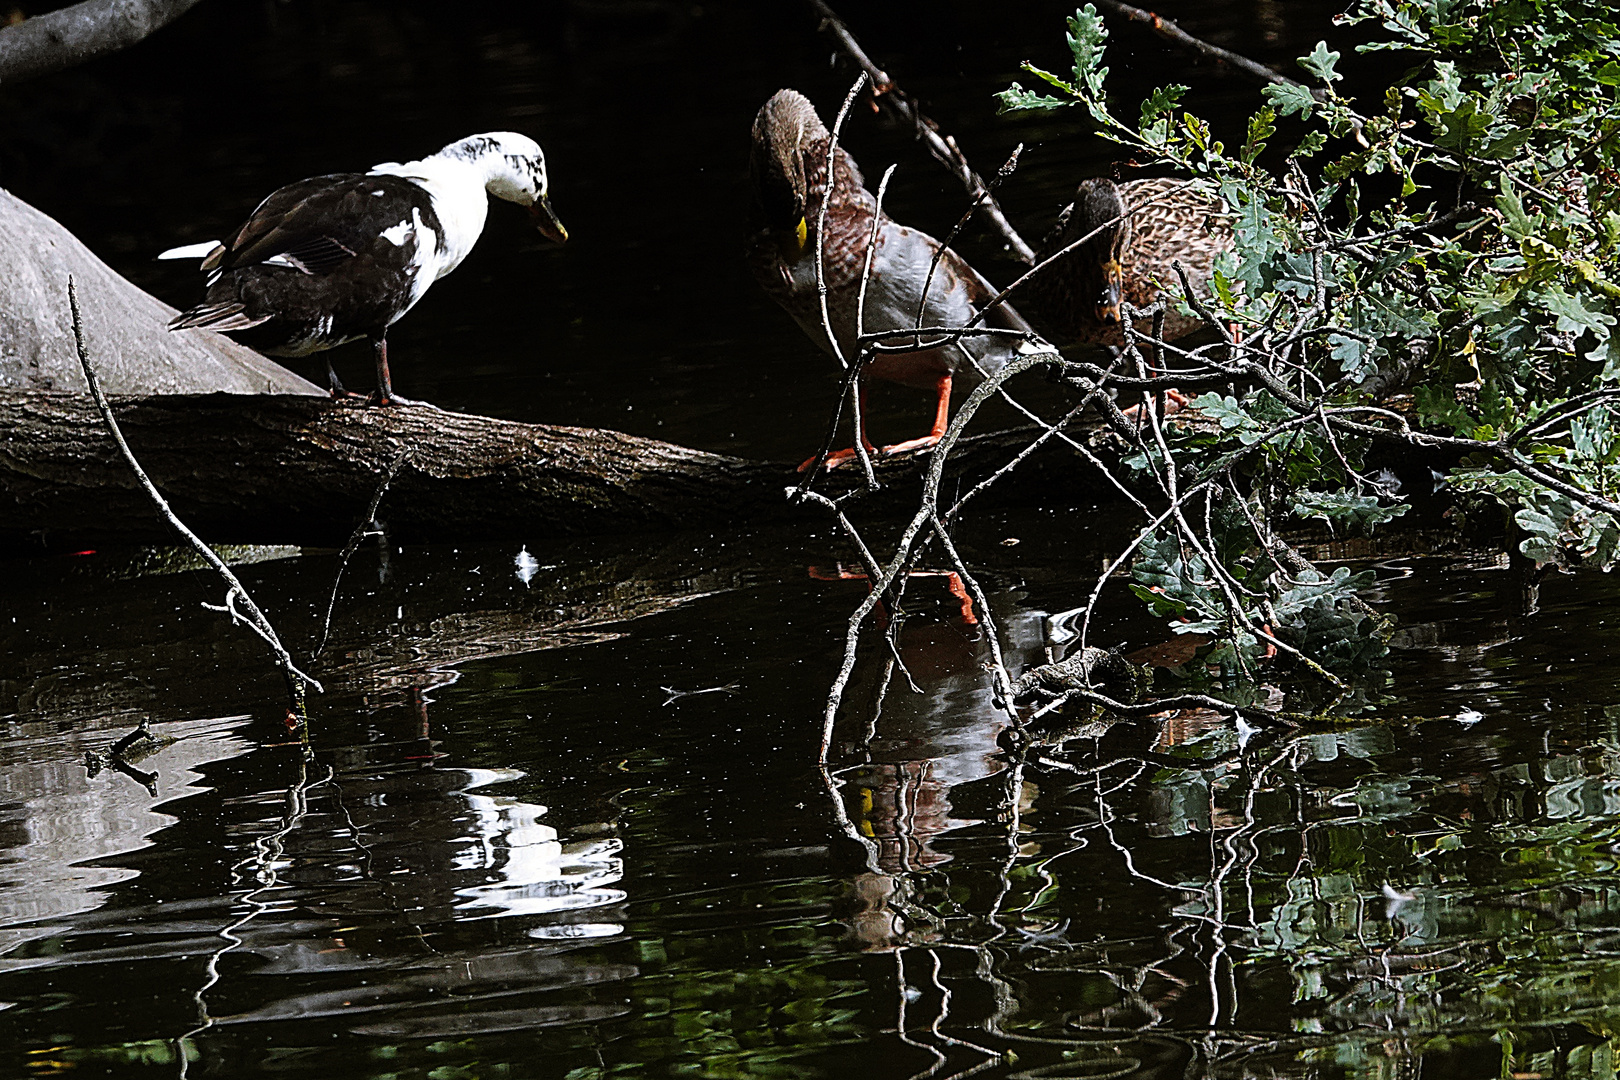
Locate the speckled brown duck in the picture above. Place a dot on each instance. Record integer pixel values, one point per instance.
(788, 168)
(1077, 299)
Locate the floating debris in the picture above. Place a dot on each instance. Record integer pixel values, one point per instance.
(527, 565)
(675, 695)
(1394, 900)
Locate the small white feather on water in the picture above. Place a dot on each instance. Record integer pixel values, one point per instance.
(1394, 900)
(527, 565)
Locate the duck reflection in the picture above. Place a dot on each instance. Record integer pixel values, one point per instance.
(528, 870)
(433, 843)
(925, 724)
(426, 873)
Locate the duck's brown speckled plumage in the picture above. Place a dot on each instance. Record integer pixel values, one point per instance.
(1166, 221)
(789, 172)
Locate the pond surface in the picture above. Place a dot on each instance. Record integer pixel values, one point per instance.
(518, 851)
(567, 822)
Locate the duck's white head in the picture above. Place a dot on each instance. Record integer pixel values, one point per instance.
(514, 169)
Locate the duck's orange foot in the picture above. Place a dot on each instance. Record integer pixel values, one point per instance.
(378, 397)
(838, 457)
(1174, 402)
(911, 444)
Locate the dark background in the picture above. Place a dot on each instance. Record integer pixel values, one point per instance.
(647, 321)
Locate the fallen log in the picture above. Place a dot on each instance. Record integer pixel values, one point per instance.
(271, 469)
(127, 328)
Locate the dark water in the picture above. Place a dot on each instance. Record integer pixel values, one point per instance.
(518, 852)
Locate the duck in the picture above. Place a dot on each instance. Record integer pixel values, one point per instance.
(1143, 228)
(788, 172)
(337, 258)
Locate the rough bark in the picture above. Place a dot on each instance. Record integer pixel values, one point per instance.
(288, 469)
(72, 35)
(126, 328)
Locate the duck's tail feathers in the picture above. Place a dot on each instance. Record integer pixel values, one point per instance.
(231, 316)
(203, 251)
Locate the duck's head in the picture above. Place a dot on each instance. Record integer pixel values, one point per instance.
(514, 169)
(787, 125)
(1098, 208)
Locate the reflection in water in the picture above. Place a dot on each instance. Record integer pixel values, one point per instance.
(527, 871)
(58, 826)
(447, 889)
(930, 726)
(386, 864)
(495, 860)
(1327, 901)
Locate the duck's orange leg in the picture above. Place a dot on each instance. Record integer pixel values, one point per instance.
(1174, 402)
(953, 581)
(838, 457)
(942, 415)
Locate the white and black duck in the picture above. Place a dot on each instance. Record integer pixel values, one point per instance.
(337, 258)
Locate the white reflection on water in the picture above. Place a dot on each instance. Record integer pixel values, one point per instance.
(527, 870)
(58, 824)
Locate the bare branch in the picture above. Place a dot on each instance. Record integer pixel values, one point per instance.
(944, 148)
(821, 219)
(66, 38)
(255, 619)
(1173, 33)
(367, 526)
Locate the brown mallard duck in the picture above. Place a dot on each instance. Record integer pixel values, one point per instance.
(1159, 222)
(788, 168)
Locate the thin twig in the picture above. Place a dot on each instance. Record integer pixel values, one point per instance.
(828, 187)
(367, 527)
(944, 245)
(943, 148)
(1171, 32)
(255, 619)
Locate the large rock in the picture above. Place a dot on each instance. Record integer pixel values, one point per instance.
(133, 351)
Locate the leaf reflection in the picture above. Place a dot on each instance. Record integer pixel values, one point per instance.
(1182, 898)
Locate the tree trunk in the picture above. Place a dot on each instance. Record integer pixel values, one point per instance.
(126, 328)
(289, 469)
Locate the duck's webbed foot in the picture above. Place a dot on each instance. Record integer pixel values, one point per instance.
(384, 394)
(910, 444)
(378, 398)
(838, 458)
(335, 386)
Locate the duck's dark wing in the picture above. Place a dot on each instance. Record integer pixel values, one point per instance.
(321, 262)
(316, 225)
